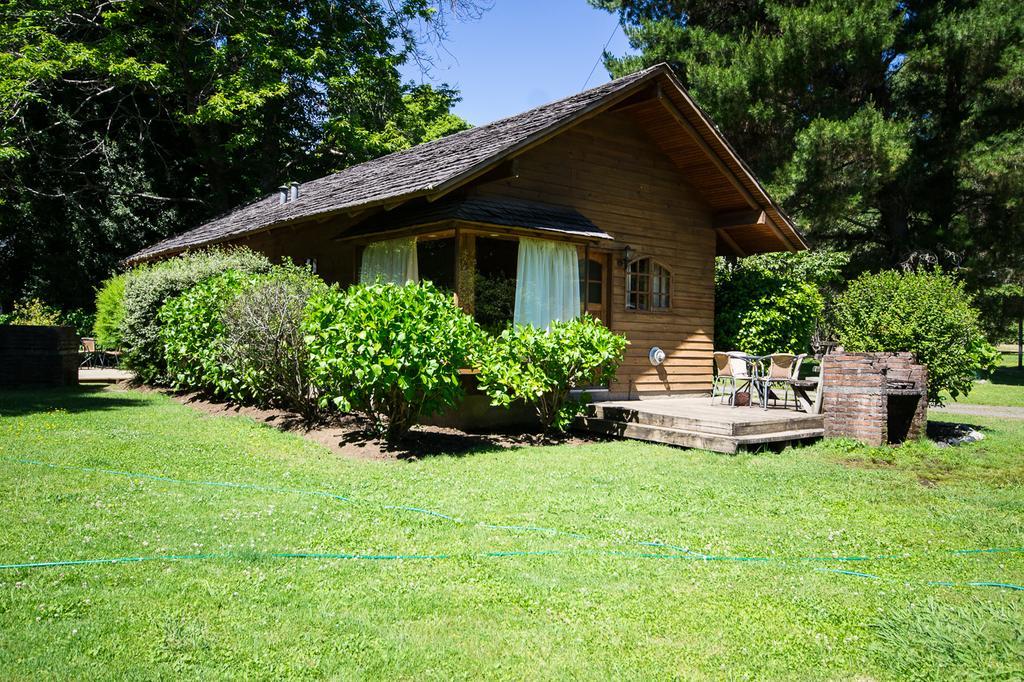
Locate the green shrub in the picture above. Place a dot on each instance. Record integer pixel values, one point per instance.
(265, 344)
(392, 352)
(925, 312)
(110, 312)
(81, 320)
(192, 333)
(541, 367)
(762, 307)
(147, 287)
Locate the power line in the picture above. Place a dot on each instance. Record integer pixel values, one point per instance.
(603, 50)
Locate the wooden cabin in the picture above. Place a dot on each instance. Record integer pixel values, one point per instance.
(620, 196)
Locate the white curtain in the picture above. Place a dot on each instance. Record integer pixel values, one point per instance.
(392, 261)
(547, 283)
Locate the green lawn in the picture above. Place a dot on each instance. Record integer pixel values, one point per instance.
(585, 602)
(1004, 388)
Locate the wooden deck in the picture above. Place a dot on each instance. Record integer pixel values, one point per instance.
(696, 423)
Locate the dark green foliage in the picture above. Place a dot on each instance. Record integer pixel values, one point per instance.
(110, 311)
(772, 303)
(925, 312)
(81, 320)
(193, 337)
(494, 302)
(391, 352)
(127, 121)
(148, 287)
(541, 367)
(892, 131)
(265, 344)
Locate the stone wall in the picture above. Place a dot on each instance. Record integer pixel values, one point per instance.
(876, 398)
(45, 356)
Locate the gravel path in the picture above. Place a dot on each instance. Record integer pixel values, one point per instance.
(980, 410)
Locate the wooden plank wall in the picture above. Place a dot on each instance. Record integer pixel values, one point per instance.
(335, 260)
(609, 170)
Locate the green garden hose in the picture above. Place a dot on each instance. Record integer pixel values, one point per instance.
(677, 553)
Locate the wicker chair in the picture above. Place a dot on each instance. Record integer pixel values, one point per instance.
(88, 356)
(782, 369)
(730, 371)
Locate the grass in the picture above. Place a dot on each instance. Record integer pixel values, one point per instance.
(1004, 388)
(593, 606)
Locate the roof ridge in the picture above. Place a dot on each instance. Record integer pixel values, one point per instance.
(401, 174)
(484, 126)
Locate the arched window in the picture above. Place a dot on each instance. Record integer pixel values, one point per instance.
(648, 285)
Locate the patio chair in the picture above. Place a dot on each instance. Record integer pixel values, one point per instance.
(780, 373)
(87, 355)
(730, 370)
(111, 358)
(723, 376)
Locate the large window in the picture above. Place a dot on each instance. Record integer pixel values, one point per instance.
(648, 285)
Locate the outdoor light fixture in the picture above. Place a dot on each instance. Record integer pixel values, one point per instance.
(627, 255)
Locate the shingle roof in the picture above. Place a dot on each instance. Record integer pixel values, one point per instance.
(421, 169)
(487, 210)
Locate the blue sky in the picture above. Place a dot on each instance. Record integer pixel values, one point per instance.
(520, 54)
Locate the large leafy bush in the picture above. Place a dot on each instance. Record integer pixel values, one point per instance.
(541, 367)
(925, 312)
(192, 332)
(392, 352)
(110, 312)
(146, 289)
(264, 341)
(79, 319)
(759, 311)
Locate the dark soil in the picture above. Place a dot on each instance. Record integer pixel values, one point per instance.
(348, 435)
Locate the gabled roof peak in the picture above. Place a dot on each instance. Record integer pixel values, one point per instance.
(426, 169)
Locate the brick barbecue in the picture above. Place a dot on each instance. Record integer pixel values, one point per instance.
(38, 355)
(876, 398)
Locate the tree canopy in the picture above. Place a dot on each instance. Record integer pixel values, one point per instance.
(893, 131)
(122, 121)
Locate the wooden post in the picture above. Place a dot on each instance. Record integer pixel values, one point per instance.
(1020, 341)
(585, 288)
(465, 271)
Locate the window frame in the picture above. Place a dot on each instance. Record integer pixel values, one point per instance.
(649, 292)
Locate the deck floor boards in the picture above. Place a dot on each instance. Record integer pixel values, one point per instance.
(696, 422)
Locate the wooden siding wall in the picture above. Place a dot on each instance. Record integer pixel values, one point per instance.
(610, 171)
(335, 262)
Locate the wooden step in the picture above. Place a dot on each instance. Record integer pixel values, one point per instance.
(658, 434)
(637, 416)
(690, 439)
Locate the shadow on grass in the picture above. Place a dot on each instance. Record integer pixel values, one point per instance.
(1007, 376)
(941, 429)
(428, 441)
(19, 402)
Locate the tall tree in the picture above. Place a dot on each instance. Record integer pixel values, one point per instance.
(122, 121)
(892, 130)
